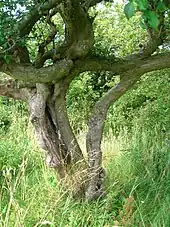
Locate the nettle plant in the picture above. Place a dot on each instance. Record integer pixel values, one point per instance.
(44, 45)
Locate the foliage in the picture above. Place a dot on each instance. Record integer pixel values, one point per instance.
(148, 99)
(7, 113)
(114, 35)
(11, 12)
(150, 11)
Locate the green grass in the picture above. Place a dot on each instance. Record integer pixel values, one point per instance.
(137, 183)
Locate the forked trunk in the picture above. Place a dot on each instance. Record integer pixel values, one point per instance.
(49, 116)
(47, 106)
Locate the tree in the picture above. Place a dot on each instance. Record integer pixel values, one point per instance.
(42, 77)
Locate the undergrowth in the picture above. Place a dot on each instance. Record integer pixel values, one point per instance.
(137, 183)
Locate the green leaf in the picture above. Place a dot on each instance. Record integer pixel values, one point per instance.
(153, 19)
(142, 4)
(129, 10)
(161, 7)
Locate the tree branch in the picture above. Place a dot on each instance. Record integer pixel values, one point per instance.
(26, 72)
(61, 69)
(15, 89)
(41, 57)
(118, 66)
(99, 112)
(79, 37)
(34, 15)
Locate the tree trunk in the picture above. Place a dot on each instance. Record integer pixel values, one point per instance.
(93, 143)
(47, 107)
(95, 187)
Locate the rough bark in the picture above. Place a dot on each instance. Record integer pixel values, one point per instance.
(47, 109)
(119, 66)
(48, 115)
(45, 132)
(15, 89)
(59, 113)
(28, 73)
(95, 129)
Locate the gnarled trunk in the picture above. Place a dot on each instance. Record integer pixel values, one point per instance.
(47, 107)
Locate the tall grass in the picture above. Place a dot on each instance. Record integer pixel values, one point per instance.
(137, 183)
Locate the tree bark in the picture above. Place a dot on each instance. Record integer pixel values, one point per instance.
(95, 130)
(44, 128)
(47, 107)
(57, 106)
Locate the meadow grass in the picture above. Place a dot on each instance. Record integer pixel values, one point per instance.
(137, 182)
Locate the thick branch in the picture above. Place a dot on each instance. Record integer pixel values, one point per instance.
(14, 89)
(99, 113)
(79, 37)
(155, 62)
(61, 69)
(26, 72)
(35, 14)
(129, 77)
